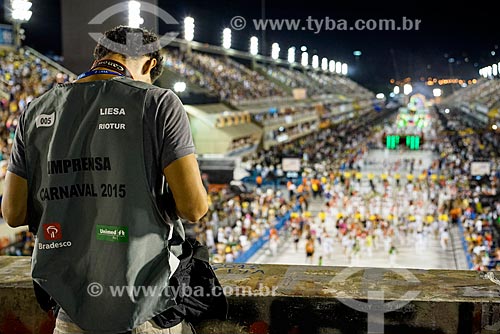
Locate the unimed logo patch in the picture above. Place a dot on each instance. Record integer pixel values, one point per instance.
(52, 231)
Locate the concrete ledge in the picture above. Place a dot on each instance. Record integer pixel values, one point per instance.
(307, 299)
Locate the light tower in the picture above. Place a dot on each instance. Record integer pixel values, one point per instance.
(275, 51)
(226, 38)
(254, 46)
(189, 32)
(324, 64)
(291, 55)
(134, 14)
(254, 49)
(20, 13)
(331, 66)
(315, 62)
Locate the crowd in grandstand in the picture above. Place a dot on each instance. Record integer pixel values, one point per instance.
(283, 115)
(317, 82)
(320, 151)
(233, 223)
(235, 82)
(23, 77)
(232, 81)
(477, 203)
(483, 91)
(294, 79)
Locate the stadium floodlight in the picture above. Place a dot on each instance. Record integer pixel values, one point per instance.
(324, 64)
(331, 66)
(134, 14)
(380, 96)
(189, 28)
(344, 69)
(304, 59)
(338, 67)
(21, 10)
(495, 70)
(291, 54)
(407, 89)
(315, 61)
(489, 71)
(437, 92)
(226, 38)
(179, 87)
(483, 72)
(254, 45)
(275, 51)
(396, 90)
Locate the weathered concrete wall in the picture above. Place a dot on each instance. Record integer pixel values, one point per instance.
(307, 299)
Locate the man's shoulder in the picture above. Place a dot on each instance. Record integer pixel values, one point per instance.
(47, 95)
(157, 98)
(144, 86)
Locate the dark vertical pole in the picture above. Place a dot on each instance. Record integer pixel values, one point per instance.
(17, 34)
(263, 31)
(395, 65)
(450, 67)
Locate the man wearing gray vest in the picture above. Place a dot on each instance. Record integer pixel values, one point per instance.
(86, 174)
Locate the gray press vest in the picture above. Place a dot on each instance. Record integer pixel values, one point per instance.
(98, 225)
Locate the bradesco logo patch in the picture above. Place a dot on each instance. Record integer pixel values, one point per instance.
(112, 233)
(45, 121)
(52, 231)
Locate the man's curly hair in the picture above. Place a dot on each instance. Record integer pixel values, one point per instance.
(127, 42)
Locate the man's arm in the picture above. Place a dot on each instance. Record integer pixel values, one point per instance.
(15, 200)
(184, 179)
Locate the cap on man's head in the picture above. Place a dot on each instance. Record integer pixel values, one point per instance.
(131, 43)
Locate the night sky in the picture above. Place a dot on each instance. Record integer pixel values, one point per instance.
(448, 30)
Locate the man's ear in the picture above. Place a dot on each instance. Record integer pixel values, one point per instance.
(149, 65)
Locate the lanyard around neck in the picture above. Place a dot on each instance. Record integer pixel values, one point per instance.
(97, 72)
(113, 65)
